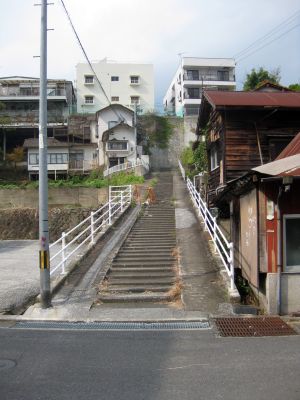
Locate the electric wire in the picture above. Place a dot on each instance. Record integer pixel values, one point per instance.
(267, 44)
(251, 49)
(87, 58)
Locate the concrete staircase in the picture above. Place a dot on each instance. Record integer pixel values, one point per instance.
(145, 268)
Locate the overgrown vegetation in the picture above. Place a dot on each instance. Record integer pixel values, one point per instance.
(153, 130)
(93, 181)
(255, 77)
(194, 159)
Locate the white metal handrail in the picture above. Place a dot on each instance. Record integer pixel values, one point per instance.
(125, 166)
(119, 200)
(222, 246)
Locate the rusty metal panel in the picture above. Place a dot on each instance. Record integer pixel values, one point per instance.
(248, 241)
(253, 327)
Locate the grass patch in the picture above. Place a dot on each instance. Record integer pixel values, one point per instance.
(91, 181)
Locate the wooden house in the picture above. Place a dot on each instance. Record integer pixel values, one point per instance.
(265, 228)
(244, 130)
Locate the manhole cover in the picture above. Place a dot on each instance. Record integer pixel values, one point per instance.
(253, 327)
(7, 364)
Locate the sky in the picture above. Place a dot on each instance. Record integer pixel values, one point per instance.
(151, 31)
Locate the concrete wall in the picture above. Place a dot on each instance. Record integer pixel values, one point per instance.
(83, 197)
(290, 294)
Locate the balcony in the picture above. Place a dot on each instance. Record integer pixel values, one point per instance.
(200, 79)
(15, 93)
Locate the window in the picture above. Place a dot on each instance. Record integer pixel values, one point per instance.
(135, 100)
(134, 79)
(192, 93)
(89, 79)
(291, 226)
(117, 145)
(114, 78)
(223, 75)
(111, 124)
(213, 159)
(34, 159)
(114, 98)
(192, 75)
(52, 158)
(57, 158)
(88, 99)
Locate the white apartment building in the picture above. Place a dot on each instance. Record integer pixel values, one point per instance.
(194, 75)
(126, 84)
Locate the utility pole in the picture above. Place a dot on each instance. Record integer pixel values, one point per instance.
(44, 256)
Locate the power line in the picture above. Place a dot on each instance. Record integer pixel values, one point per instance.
(268, 34)
(266, 44)
(87, 58)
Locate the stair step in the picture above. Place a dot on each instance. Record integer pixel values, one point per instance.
(134, 297)
(138, 289)
(137, 282)
(163, 263)
(141, 275)
(143, 270)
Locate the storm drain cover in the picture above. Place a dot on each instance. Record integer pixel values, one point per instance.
(253, 327)
(190, 325)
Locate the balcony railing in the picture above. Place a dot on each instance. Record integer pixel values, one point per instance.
(204, 78)
(82, 165)
(29, 92)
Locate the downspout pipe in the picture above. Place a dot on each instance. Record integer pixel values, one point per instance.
(279, 257)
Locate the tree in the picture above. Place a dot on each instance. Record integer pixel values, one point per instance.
(295, 86)
(17, 155)
(255, 77)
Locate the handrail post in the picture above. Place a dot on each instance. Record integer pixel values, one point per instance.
(215, 233)
(130, 193)
(231, 261)
(121, 201)
(63, 245)
(205, 217)
(109, 212)
(92, 227)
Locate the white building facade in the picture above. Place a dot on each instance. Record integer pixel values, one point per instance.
(115, 135)
(126, 84)
(194, 75)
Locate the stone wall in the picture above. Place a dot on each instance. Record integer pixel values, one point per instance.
(75, 197)
(183, 134)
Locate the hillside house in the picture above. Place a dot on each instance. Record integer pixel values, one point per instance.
(265, 229)
(244, 130)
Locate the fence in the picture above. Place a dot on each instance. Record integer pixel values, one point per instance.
(85, 232)
(222, 246)
(125, 166)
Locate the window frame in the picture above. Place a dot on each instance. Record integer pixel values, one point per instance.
(89, 102)
(214, 164)
(115, 98)
(134, 79)
(114, 78)
(134, 102)
(86, 79)
(288, 268)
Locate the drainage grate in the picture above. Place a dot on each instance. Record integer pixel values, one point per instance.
(115, 325)
(253, 327)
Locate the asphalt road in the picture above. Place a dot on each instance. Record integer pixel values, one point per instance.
(144, 365)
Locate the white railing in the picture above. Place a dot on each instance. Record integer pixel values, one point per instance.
(222, 246)
(125, 166)
(85, 232)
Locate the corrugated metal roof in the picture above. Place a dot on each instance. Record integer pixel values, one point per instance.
(253, 99)
(291, 149)
(286, 166)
